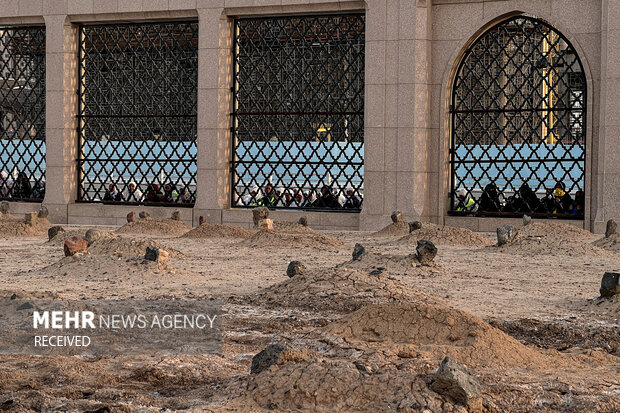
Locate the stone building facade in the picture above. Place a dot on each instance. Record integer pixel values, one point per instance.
(412, 51)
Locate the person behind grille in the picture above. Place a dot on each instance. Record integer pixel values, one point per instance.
(252, 198)
(327, 199)
(269, 200)
(285, 200)
(530, 202)
(153, 193)
(563, 200)
(186, 196)
(352, 202)
(465, 202)
(133, 193)
(21, 186)
(38, 191)
(112, 194)
(6, 184)
(489, 200)
(170, 193)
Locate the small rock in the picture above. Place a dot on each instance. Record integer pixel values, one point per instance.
(201, 220)
(93, 235)
(527, 220)
(610, 284)
(269, 356)
(176, 215)
(397, 216)
(4, 207)
(156, 255)
(265, 225)
(612, 228)
(506, 234)
(31, 219)
(74, 245)
(303, 221)
(295, 268)
(453, 380)
(144, 215)
(358, 251)
(53, 231)
(362, 368)
(43, 212)
(377, 271)
(131, 217)
(259, 214)
(25, 306)
(414, 226)
(425, 252)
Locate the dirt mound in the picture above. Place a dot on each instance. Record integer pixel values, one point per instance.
(290, 235)
(404, 265)
(218, 231)
(605, 308)
(61, 237)
(556, 230)
(150, 226)
(394, 229)
(446, 235)
(336, 290)
(436, 329)
(12, 226)
(128, 247)
(610, 244)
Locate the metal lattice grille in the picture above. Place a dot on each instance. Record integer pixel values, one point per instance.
(298, 115)
(22, 113)
(518, 124)
(137, 93)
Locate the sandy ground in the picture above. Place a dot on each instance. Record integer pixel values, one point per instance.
(541, 291)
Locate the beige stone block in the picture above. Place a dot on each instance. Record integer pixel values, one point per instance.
(9, 8)
(57, 213)
(391, 62)
(213, 216)
(392, 20)
(574, 17)
(54, 7)
(373, 222)
(391, 150)
(434, 194)
(375, 63)
(456, 21)
(208, 108)
(471, 223)
(107, 6)
(181, 4)
(437, 100)
(443, 54)
(611, 106)
(406, 149)
(30, 7)
(373, 149)
(77, 220)
(80, 6)
(238, 215)
(206, 4)
(406, 105)
(390, 191)
(373, 191)
(375, 106)
(155, 5)
(376, 15)
(391, 106)
(130, 6)
(407, 16)
(208, 151)
(335, 221)
(210, 22)
(404, 196)
(406, 61)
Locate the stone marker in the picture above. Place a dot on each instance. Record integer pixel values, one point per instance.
(414, 226)
(610, 284)
(144, 215)
(295, 268)
(43, 212)
(131, 217)
(453, 380)
(4, 207)
(31, 218)
(425, 252)
(506, 234)
(358, 251)
(156, 255)
(303, 221)
(265, 225)
(201, 220)
(92, 235)
(527, 220)
(397, 216)
(612, 228)
(259, 213)
(53, 231)
(74, 245)
(269, 356)
(176, 215)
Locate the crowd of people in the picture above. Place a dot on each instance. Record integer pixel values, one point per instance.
(327, 198)
(20, 187)
(525, 200)
(168, 193)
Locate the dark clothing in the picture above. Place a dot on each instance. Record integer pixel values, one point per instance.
(21, 188)
(489, 200)
(113, 196)
(353, 203)
(327, 201)
(530, 201)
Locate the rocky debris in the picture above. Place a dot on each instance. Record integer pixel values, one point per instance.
(303, 221)
(4, 207)
(612, 228)
(176, 215)
(358, 251)
(265, 225)
(506, 234)
(453, 380)
(610, 284)
(414, 226)
(31, 219)
(53, 231)
(425, 252)
(397, 216)
(131, 217)
(201, 220)
(527, 220)
(74, 245)
(157, 255)
(295, 268)
(269, 356)
(259, 213)
(43, 212)
(144, 215)
(93, 235)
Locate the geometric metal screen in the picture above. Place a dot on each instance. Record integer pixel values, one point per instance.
(518, 118)
(137, 113)
(298, 112)
(22, 113)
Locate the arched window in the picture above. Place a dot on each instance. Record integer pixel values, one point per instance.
(518, 124)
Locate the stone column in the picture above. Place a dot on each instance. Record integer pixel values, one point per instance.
(61, 107)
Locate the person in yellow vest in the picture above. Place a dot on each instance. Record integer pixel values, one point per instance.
(466, 202)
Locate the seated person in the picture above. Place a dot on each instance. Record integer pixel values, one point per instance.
(153, 193)
(489, 200)
(133, 193)
(170, 193)
(465, 201)
(186, 197)
(352, 202)
(563, 200)
(530, 201)
(21, 186)
(327, 199)
(269, 200)
(112, 194)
